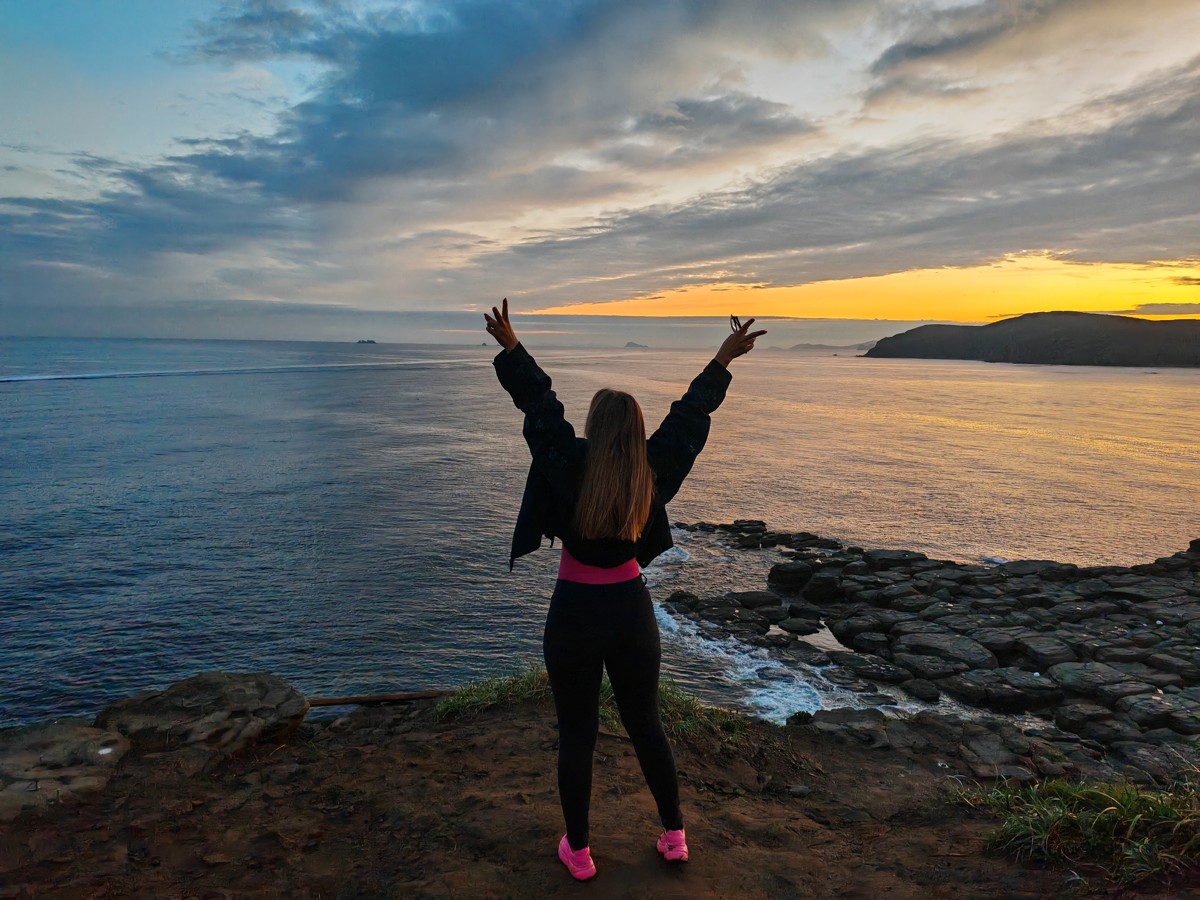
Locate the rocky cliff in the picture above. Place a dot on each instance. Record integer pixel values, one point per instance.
(1054, 338)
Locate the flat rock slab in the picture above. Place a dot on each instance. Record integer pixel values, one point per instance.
(220, 712)
(64, 760)
(948, 647)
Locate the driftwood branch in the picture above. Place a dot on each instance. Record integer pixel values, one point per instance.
(371, 699)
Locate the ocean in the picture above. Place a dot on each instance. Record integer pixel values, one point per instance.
(340, 514)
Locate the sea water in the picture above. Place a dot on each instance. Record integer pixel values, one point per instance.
(340, 514)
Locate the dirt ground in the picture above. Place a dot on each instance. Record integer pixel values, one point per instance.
(388, 802)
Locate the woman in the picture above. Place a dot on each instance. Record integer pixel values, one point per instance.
(604, 497)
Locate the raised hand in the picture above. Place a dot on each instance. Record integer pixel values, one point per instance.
(738, 344)
(501, 329)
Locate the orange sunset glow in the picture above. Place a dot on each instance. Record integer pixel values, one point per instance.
(1007, 287)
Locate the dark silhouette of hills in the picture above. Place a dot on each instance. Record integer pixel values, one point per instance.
(1054, 338)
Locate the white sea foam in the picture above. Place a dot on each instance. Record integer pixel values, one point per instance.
(767, 687)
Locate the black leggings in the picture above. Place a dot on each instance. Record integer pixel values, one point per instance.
(592, 627)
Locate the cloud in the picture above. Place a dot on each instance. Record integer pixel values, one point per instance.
(446, 150)
(1160, 309)
(1120, 194)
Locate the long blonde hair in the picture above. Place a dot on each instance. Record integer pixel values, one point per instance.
(618, 483)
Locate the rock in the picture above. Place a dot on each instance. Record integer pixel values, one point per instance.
(866, 726)
(220, 712)
(1109, 731)
(790, 577)
(684, 599)
(921, 689)
(753, 599)
(772, 614)
(871, 642)
(1085, 677)
(1111, 693)
(1004, 690)
(1186, 721)
(1143, 592)
(823, 586)
(1148, 763)
(794, 625)
(998, 640)
(948, 647)
(798, 609)
(868, 666)
(1044, 650)
(45, 764)
(890, 559)
(928, 667)
(1167, 662)
(1147, 710)
(1019, 567)
(1118, 653)
(911, 603)
(1075, 716)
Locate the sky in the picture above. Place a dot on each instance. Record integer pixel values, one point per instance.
(270, 168)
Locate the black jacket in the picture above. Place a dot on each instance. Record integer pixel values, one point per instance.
(552, 486)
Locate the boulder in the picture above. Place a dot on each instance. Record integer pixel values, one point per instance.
(753, 599)
(951, 647)
(864, 726)
(45, 764)
(930, 668)
(795, 625)
(920, 689)
(823, 586)
(798, 609)
(790, 576)
(217, 712)
(1143, 592)
(1148, 710)
(1074, 716)
(1045, 650)
(1085, 677)
(890, 559)
(869, 666)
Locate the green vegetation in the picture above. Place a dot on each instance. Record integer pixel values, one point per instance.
(682, 714)
(1128, 832)
(528, 685)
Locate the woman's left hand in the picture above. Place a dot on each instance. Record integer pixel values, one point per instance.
(500, 328)
(738, 344)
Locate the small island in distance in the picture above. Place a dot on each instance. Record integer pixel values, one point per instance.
(364, 342)
(1054, 338)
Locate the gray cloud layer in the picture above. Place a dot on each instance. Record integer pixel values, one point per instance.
(429, 119)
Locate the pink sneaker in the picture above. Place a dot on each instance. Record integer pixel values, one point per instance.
(673, 846)
(578, 862)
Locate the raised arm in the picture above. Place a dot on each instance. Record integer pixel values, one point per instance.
(551, 438)
(673, 448)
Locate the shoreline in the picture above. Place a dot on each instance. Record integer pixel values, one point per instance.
(221, 785)
(1108, 655)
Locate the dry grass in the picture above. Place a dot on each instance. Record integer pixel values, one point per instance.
(682, 714)
(1128, 832)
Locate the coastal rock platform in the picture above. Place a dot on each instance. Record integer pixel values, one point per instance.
(1107, 656)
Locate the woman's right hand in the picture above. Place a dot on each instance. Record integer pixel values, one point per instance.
(738, 344)
(501, 329)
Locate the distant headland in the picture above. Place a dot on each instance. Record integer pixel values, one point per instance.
(1054, 338)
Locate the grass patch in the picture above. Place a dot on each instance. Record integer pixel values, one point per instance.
(1128, 832)
(682, 714)
(528, 685)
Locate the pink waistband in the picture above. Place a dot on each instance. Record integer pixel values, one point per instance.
(571, 569)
